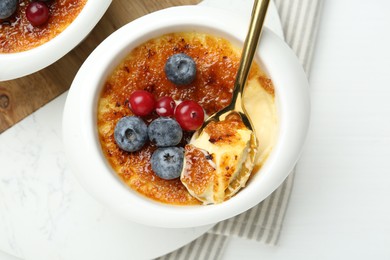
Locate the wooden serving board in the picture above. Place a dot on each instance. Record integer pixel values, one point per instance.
(21, 97)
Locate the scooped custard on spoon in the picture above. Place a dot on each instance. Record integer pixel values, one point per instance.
(215, 159)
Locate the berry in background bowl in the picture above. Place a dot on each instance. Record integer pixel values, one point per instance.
(144, 185)
(38, 33)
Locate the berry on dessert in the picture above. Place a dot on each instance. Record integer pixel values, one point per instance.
(37, 13)
(7, 8)
(180, 69)
(165, 131)
(131, 133)
(189, 115)
(167, 163)
(165, 106)
(142, 102)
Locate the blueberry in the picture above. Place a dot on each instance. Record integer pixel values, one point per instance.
(167, 162)
(180, 69)
(165, 131)
(7, 8)
(131, 133)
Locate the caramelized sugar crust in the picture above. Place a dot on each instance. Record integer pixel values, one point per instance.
(225, 131)
(143, 69)
(18, 34)
(199, 171)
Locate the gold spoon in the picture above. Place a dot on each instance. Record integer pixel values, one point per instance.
(250, 45)
(236, 105)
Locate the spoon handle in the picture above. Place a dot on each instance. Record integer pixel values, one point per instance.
(250, 45)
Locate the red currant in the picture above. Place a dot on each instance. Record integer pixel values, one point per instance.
(142, 102)
(165, 106)
(37, 13)
(189, 115)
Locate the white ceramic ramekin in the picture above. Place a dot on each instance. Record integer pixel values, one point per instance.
(80, 129)
(16, 65)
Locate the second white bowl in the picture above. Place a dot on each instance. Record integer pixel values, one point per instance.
(16, 65)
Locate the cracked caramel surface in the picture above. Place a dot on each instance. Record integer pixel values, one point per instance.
(217, 62)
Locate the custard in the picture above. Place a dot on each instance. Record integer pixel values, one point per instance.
(217, 63)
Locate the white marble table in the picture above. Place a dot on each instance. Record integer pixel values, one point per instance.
(340, 206)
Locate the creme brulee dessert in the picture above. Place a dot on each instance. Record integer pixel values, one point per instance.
(26, 24)
(148, 112)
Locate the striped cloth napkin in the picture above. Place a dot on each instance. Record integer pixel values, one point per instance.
(263, 223)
